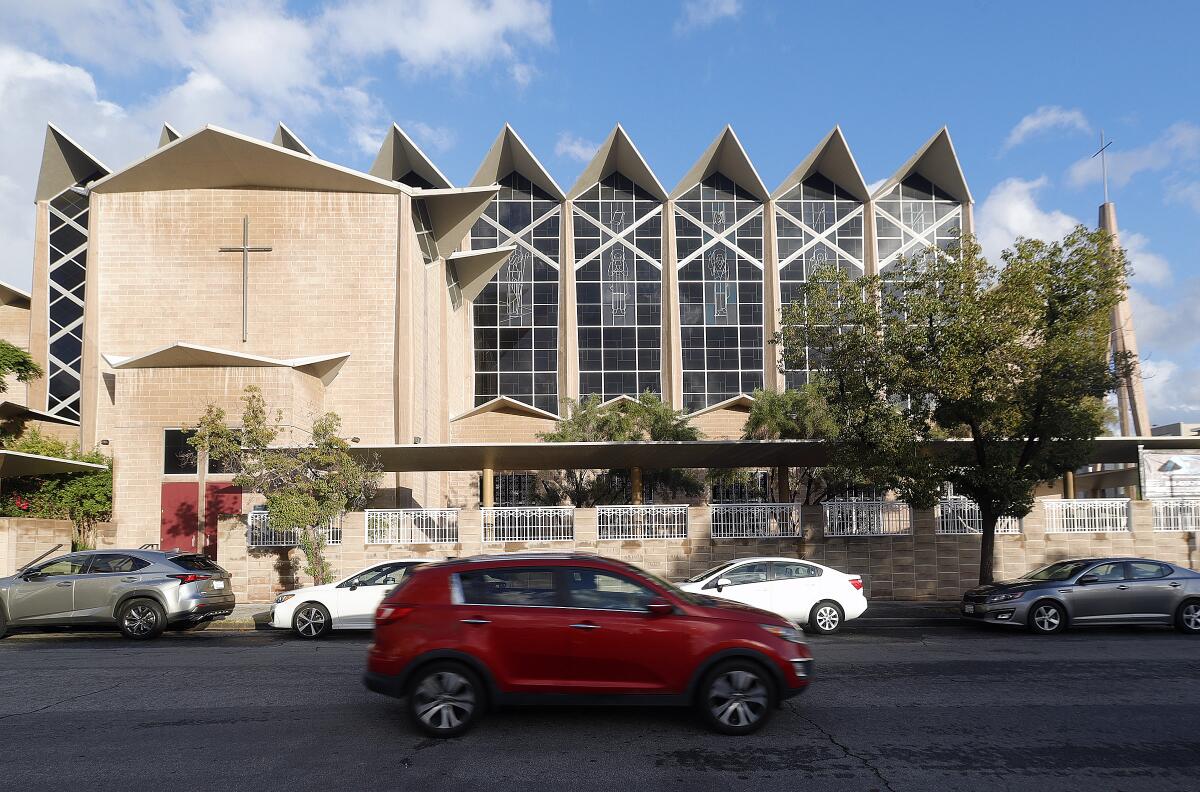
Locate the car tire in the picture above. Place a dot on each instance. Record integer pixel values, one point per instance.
(444, 699)
(312, 621)
(736, 697)
(825, 618)
(141, 619)
(1187, 617)
(3, 624)
(1046, 618)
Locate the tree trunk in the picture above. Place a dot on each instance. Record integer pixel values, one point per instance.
(201, 500)
(987, 545)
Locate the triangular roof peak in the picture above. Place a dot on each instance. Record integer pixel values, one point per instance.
(399, 157)
(184, 355)
(215, 158)
(65, 164)
(621, 399)
(167, 136)
(617, 154)
(11, 295)
(509, 153)
(727, 156)
(473, 269)
(742, 400)
(506, 403)
(937, 162)
(287, 138)
(832, 159)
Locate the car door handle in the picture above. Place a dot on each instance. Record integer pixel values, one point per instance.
(1122, 587)
(1176, 584)
(64, 584)
(129, 579)
(476, 621)
(586, 626)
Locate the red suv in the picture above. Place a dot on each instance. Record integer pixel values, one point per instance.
(457, 636)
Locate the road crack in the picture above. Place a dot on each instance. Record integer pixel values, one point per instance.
(61, 701)
(844, 748)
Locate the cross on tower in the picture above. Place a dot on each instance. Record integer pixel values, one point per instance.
(1103, 162)
(245, 250)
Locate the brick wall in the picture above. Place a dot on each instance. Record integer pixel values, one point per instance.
(23, 539)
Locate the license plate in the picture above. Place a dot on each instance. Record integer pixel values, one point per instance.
(968, 608)
(218, 584)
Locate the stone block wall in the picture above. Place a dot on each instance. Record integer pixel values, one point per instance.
(23, 539)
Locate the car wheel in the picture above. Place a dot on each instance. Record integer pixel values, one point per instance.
(1047, 618)
(3, 624)
(312, 621)
(736, 697)
(141, 619)
(825, 618)
(444, 699)
(1187, 618)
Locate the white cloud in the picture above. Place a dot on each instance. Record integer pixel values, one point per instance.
(522, 74)
(1170, 351)
(576, 148)
(1148, 268)
(702, 13)
(1179, 144)
(432, 138)
(1044, 119)
(1172, 392)
(1011, 210)
(1186, 193)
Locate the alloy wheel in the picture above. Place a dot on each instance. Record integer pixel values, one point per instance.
(1191, 616)
(444, 700)
(1047, 618)
(737, 698)
(827, 618)
(140, 619)
(310, 621)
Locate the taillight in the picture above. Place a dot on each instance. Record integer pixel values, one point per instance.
(386, 614)
(189, 578)
(857, 583)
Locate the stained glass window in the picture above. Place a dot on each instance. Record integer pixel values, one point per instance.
(914, 216)
(68, 218)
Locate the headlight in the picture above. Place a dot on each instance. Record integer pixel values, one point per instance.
(283, 598)
(1009, 597)
(786, 633)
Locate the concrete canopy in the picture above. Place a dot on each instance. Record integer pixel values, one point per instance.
(287, 139)
(832, 159)
(724, 155)
(474, 268)
(184, 355)
(399, 158)
(12, 411)
(11, 295)
(509, 153)
(14, 464)
(452, 212)
(215, 158)
(65, 164)
(617, 154)
(168, 135)
(937, 162)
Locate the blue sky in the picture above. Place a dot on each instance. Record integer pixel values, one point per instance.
(1024, 88)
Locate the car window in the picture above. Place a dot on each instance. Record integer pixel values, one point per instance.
(196, 563)
(747, 573)
(1110, 572)
(382, 575)
(792, 570)
(1147, 570)
(105, 564)
(528, 587)
(591, 588)
(706, 573)
(70, 565)
(1061, 570)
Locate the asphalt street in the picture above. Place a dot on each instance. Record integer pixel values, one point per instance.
(948, 708)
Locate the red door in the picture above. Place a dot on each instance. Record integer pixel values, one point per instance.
(179, 514)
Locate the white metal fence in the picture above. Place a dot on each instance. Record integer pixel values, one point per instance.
(1087, 515)
(412, 526)
(259, 532)
(961, 516)
(642, 522)
(528, 523)
(1177, 514)
(750, 520)
(868, 518)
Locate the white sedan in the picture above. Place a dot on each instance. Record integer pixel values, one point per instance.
(816, 597)
(346, 605)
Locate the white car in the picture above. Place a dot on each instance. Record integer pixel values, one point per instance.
(816, 597)
(349, 604)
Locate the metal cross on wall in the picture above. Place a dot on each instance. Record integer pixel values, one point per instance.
(245, 250)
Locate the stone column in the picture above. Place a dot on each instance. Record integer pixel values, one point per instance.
(772, 310)
(672, 349)
(635, 486)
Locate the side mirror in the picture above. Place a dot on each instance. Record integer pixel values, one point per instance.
(659, 607)
(723, 582)
(354, 587)
(1088, 580)
(35, 575)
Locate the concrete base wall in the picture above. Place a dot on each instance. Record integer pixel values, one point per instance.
(23, 539)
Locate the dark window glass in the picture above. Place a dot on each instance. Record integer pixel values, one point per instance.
(70, 565)
(590, 588)
(196, 563)
(792, 570)
(382, 575)
(104, 564)
(528, 587)
(1147, 570)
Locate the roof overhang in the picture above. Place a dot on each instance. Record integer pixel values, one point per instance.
(14, 464)
(474, 268)
(831, 158)
(695, 454)
(726, 156)
(509, 153)
(11, 411)
(937, 162)
(65, 164)
(399, 156)
(184, 355)
(11, 295)
(452, 212)
(617, 154)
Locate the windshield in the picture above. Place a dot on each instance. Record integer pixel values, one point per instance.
(713, 571)
(695, 599)
(1062, 570)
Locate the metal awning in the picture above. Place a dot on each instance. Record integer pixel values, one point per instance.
(14, 464)
(694, 454)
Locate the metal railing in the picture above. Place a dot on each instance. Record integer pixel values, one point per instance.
(1087, 515)
(1176, 514)
(961, 516)
(868, 518)
(259, 532)
(750, 520)
(642, 522)
(412, 526)
(528, 523)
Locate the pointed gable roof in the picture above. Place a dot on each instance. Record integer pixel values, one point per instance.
(740, 403)
(832, 159)
(452, 212)
(167, 136)
(506, 404)
(724, 155)
(65, 164)
(937, 162)
(287, 139)
(400, 158)
(509, 153)
(617, 154)
(215, 158)
(184, 355)
(474, 269)
(11, 295)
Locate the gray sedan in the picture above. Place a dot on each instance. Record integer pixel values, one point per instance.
(1091, 591)
(140, 592)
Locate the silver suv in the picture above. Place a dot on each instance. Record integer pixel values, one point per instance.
(141, 592)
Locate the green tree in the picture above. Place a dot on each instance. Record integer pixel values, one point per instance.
(1013, 358)
(83, 498)
(305, 486)
(14, 360)
(796, 414)
(624, 420)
